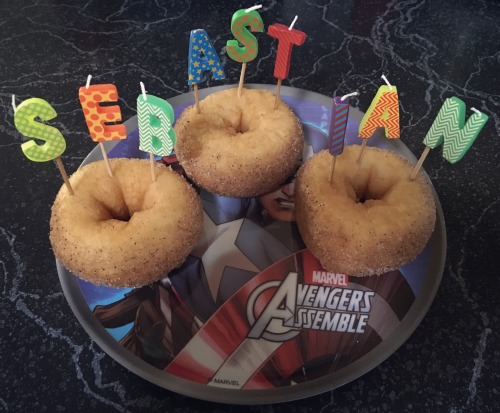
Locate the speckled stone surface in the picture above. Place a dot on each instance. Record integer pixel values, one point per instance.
(431, 49)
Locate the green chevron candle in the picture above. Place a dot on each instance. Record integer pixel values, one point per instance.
(449, 128)
(155, 117)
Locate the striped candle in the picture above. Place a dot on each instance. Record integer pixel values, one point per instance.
(338, 123)
(287, 38)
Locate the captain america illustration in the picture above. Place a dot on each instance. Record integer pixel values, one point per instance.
(241, 237)
(243, 240)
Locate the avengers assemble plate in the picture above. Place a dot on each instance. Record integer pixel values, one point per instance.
(251, 317)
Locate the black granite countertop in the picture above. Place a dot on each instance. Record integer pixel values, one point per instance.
(430, 49)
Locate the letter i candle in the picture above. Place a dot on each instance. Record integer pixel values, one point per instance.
(338, 124)
(287, 37)
(55, 144)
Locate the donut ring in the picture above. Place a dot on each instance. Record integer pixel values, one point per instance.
(125, 231)
(239, 146)
(371, 219)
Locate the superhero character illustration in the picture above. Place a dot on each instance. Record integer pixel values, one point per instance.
(241, 238)
(246, 242)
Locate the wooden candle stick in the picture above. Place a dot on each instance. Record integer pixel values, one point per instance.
(62, 171)
(363, 144)
(420, 163)
(332, 170)
(277, 96)
(106, 159)
(196, 98)
(242, 78)
(153, 166)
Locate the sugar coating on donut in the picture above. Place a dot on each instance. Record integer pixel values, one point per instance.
(125, 231)
(239, 146)
(371, 219)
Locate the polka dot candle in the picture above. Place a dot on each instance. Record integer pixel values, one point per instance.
(240, 22)
(24, 119)
(98, 117)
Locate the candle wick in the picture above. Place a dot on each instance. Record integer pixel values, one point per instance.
(87, 85)
(293, 23)
(14, 103)
(477, 111)
(349, 94)
(386, 81)
(143, 89)
(256, 7)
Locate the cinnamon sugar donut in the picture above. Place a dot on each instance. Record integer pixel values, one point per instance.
(125, 231)
(239, 146)
(371, 219)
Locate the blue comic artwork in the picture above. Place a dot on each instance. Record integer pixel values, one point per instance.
(242, 237)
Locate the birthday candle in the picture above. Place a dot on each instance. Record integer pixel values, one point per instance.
(383, 112)
(448, 127)
(287, 38)
(55, 144)
(97, 116)
(155, 117)
(239, 23)
(202, 58)
(338, 123)
(24, 119)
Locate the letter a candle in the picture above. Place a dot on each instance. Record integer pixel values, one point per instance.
(202, 58)
(383, 112)
(250, 47)
(55, 144)
(98, 117)
(155, 117)
(287, 37)
(448, 129)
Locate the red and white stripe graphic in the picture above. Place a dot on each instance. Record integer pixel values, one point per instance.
(220, 354)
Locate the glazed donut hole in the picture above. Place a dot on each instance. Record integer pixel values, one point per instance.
(368, 185)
